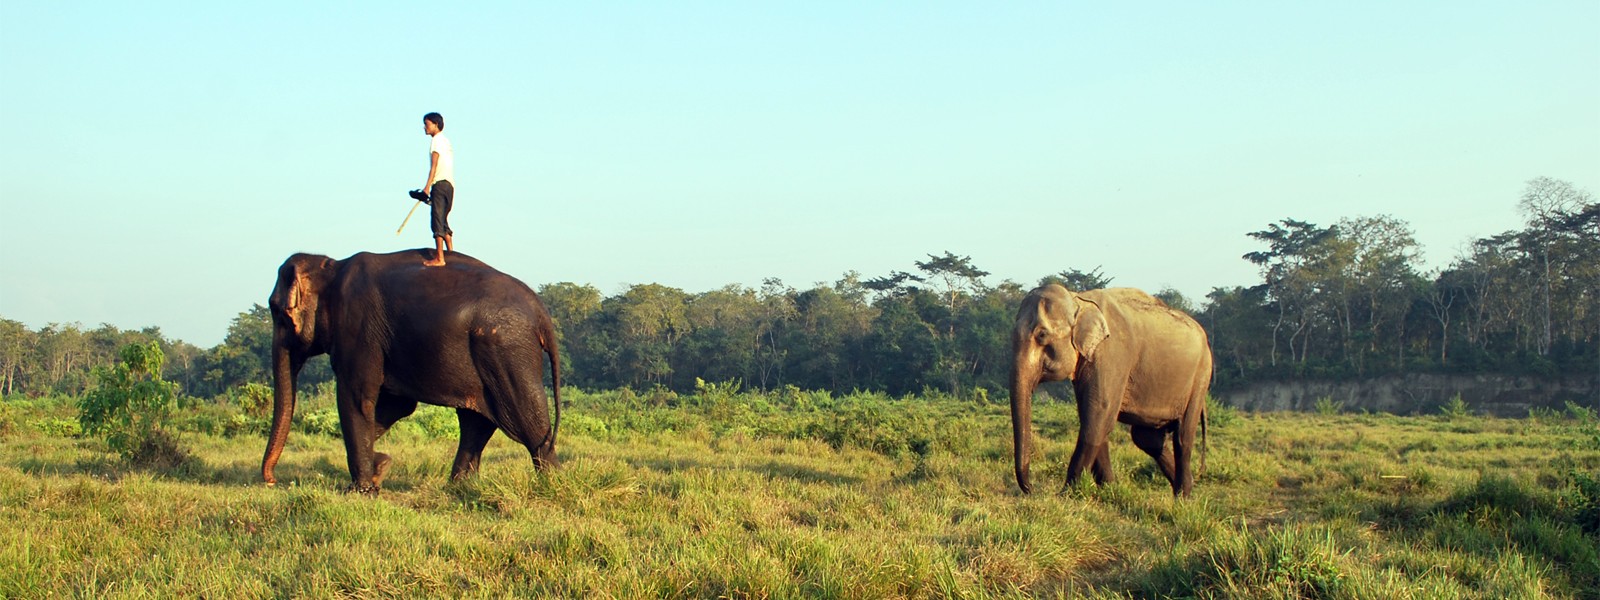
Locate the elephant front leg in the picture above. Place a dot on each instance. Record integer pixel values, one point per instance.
(1095, 420)
(390, 409)
(358, 423)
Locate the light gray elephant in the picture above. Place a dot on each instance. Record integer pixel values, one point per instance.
(1130, 358)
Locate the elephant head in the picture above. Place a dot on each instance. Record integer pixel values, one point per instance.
(298, 333)
(1057, 335)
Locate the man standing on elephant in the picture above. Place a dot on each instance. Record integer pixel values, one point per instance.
(440, 188)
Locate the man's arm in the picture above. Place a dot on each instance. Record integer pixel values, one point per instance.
(433, 168)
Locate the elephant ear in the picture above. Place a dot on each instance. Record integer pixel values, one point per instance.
(1090, 330)
(302, 300)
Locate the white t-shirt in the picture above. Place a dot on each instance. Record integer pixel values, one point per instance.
(446, 171)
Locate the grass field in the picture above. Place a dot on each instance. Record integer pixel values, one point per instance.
(802, 495)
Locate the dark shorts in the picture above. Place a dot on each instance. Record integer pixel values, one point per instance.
(443, 195)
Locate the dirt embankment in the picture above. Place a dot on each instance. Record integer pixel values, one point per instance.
(1499, 395)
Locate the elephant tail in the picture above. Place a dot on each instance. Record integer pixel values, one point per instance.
(552, 348)
(1205, 444)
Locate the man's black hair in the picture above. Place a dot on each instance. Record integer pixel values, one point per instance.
(434, 118)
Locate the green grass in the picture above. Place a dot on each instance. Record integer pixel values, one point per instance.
(804, 495)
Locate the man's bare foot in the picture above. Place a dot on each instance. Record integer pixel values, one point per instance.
(436, 262)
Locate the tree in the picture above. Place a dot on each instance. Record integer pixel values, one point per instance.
(955, 274)
(1545, 204)
(1238, 323)
(777, 310)
(575, 309)
(16, 345)
(570, 304)
(826, 334)
(244, 354)
(726, 333)
(1079, 281)
(1381, 276)
(1175, 299)
(1441, 295)
(649, 319)
(1293, 251)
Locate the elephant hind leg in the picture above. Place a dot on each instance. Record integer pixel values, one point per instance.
(1183, 442)
(1153, 441)
(1101, 467)
(1183, 439)
(476, 430)
(513, 385)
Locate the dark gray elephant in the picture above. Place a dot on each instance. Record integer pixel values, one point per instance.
(1130, 358)
(397, 333)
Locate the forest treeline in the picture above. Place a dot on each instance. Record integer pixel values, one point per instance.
(1343, 300)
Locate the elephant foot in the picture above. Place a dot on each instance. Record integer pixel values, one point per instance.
(545, 460)
(380, 469)
(461, 474)
(365, 490)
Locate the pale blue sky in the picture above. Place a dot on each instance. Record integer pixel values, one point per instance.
(161, 160)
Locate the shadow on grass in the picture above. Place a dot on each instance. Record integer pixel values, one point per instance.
(1512, 534)
(1497, 516)
(770, 468)
(187, 469)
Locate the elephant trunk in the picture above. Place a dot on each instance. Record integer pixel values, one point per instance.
(1024, 378)
(285, 373)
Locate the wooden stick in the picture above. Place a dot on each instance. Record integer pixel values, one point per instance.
(408, 217)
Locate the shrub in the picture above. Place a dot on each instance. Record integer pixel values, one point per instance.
(435, 421)
(321, 422)
(242, 424)
(584, 425)
(130, 406)
(1580, 413)
(254, 398)
(1584, 498)
(1326, 405)
(1456, 408)
(58, 427)
(1220, 414)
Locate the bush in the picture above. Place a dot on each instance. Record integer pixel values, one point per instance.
(130, 406)
(584, 425)
(254, 398)
(1220, 414)
(321, 422)
(435, 421)
(1580, 413)
(58, 427)
(1456, 408)
(1326, 405)
(243, 424)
